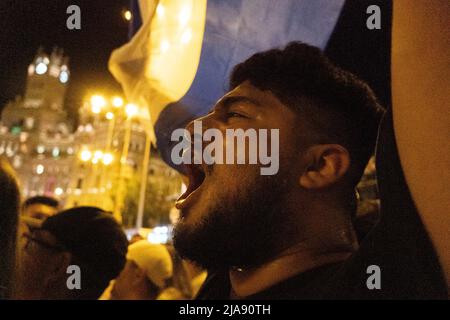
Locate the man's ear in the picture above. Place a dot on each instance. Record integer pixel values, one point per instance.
(326, 164)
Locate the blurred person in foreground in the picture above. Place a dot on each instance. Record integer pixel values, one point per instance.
(187, 276)
(291, 235)
(40, 207)
(86, 237)
(147, 275)
(9, 210)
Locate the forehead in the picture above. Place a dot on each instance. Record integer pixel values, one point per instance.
(39, 208)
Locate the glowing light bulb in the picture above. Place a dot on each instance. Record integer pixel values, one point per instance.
(85, 155)
(41, 68)
(39, 169)
(98, 154)
(58, 191)
(63, 77)
(117, 102)
(109, 115)
(97, 103)
(107, 159)
(127, 15)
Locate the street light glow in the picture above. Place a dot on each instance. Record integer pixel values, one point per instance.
(85, 155)
(58, 191)
(107, 159)
(96, 109)
(63, 77)
(97, 103)
(98, 154)
(131, 110)
(109, 115)
(41, 68)
(127, 15)
(39, 169)
(117, 102)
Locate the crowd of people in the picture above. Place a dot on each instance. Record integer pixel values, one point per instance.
(51, 240)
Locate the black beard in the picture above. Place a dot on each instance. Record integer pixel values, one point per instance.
(244, 231)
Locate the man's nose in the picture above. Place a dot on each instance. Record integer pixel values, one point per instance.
(194, 134)
(206, 123)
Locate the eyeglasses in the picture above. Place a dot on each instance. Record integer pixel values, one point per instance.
(42, 243)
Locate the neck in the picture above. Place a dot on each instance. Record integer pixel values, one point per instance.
(330, 247)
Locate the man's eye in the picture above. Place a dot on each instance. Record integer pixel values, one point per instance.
(232, 114)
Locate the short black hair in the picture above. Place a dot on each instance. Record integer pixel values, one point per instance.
(48, 201)
(338, 106)
(97, 242)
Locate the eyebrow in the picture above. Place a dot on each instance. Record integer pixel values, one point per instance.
(230, 100)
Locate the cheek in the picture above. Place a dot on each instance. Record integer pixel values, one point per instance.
(122, 284)
(124, 275)
(289, 151)
(32, 270)
(232, 177)
(226, 184)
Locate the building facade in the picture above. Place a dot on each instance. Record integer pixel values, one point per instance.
(34, 132)
(79, 166)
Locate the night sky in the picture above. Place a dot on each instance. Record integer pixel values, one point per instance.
(27, 24)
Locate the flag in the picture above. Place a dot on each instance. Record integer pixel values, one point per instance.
(178, 60)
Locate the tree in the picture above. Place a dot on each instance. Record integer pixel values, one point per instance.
(163, 185)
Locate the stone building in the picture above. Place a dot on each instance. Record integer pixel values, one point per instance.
(38, 139)
(34, 132)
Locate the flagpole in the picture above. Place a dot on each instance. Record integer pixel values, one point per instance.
(122, 167)
(148, 129)
(143, 187)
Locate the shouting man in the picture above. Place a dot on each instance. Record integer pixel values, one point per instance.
(290, 235)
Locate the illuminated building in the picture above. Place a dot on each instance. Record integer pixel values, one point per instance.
(34, 133)
(81, 166)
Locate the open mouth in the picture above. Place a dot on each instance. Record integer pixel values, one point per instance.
(196, 175)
